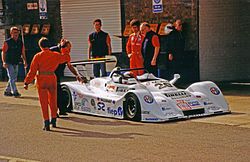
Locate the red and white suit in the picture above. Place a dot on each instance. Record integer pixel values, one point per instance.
(133, 47)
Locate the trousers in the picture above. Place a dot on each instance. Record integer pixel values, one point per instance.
(12, 75)
(47, 91)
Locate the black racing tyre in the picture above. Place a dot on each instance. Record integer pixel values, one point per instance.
(66, 98)
(132, 107)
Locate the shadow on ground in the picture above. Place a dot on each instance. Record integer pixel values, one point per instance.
(91, 134)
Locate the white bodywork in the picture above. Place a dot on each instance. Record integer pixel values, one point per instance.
(159, 99)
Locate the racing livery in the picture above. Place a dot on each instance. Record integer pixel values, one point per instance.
(144, 98)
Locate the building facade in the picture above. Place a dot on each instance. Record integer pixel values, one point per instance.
(216, 31)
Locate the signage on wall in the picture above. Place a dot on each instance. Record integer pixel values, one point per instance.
(43, 9)
(32, 6)
(157, 6)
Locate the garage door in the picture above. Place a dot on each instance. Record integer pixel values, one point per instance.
(224, 40)
(77, 17)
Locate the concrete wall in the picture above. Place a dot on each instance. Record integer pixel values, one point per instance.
(224, 39)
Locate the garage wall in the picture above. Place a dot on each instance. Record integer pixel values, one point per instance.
(77, 23)
(224, 40)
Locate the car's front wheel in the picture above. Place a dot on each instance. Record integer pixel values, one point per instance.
(132, 108)
(67, 98)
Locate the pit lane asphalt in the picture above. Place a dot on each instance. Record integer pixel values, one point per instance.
(88, 138)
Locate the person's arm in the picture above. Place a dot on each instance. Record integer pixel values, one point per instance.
(169, 46)
(24, 57)
(89, 48)
(74, 71)
(4, 50)
(128, 47)
(32, 72)
(108, 42)
(156, 44)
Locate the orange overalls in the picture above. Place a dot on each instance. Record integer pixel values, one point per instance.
(43, 66)
(133, 47)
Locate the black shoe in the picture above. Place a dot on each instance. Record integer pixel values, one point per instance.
(63, 113)
(7, 93)
(46, 125)
(16, 94)
(53, 122)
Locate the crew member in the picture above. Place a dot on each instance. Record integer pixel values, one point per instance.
(133, 48)
(42, 67)
(150, 48)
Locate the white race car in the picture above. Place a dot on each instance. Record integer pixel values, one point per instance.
(144, 98)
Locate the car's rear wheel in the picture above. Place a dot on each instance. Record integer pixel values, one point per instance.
(132, 108)
(67, 98)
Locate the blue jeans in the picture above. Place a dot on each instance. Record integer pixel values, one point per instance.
(98, 67)
(12, 74)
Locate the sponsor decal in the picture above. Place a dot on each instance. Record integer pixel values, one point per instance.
(148, 99)
(213, 108)
(176, 95)
(111, 88)
(115, 112)
(92, 102)
(165, 108)
(86, 109)
(100, 106)
(208, 103)
(84, 102)
(80, 107)
(74, 94)
(170, 114)
(194, 103)
(77, 95)
(215, 90)
(146, 112)
(105, 100)
(155, 119)
(183, 105)
(161, 84)
(77, 106)
(121, 89)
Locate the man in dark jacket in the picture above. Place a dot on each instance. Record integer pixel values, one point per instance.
(60, 73)
(12, 51)
(99, 46)
(175, 45)
(150, 48)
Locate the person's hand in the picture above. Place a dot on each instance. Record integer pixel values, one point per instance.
(79, 79)
(25, 64)
(26, 86)
(62, 42)
(5, 65)
(170, 57)
(153, 62)
(129, 55)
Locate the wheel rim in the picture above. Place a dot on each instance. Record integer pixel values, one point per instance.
(131, 107)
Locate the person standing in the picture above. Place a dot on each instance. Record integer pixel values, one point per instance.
(175, 44)
(12, 51)
(134, 46)
(99, 46)
(59, 74)
(150, 48)
(43, 70)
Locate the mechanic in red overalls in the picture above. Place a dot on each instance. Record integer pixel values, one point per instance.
(42, 67)
(134, 46)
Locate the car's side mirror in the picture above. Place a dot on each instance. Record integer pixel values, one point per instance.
(176, 77)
